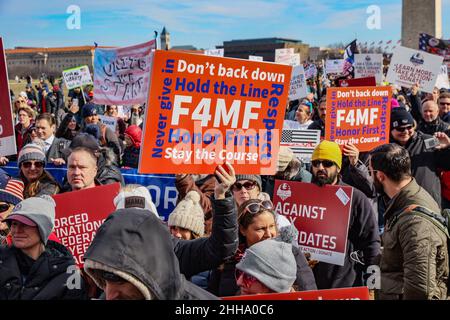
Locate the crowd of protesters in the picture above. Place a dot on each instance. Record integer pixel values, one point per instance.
(224, 237)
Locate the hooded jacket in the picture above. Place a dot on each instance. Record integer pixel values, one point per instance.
(47, 278)
(414, 264)
(137, 247)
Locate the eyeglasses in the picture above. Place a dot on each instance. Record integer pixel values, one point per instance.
(37, 164)
(403, 129)
(256, 207)
(248, 185)
(325, 163)
(4, 207)
(247, 279)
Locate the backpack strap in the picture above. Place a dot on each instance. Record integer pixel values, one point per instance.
(440, 221)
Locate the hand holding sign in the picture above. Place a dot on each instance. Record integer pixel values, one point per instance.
(226, 178)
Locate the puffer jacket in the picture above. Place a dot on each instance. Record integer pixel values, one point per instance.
(135, 245)
(47, 279)
(414, 263)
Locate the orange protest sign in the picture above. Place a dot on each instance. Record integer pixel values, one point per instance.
(356, 293)
(204, 111)
(358, 115)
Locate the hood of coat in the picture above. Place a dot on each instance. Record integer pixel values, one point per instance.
(411, 194)
(135, 245)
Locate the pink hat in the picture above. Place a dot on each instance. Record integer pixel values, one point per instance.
(21, 219)
(394, 103)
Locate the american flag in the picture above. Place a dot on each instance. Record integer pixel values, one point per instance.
(433, 45)
(389, 42)
(349, 57)
(301, 142)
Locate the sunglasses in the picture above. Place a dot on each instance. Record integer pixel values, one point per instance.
(325, 163)
(37, 164)
(256, 207)
(248, 185)
(4, 207)
(403, 129)
(247, 279)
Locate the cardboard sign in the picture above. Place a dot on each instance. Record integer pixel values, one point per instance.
(7, 136)
(301, 142)
(76, 222)
(122, 75)
(298, 87)
(356, 293)
(359, 115)
(442, 79)
(215, 52)
(289, 59)
(255, 58)
(410, 66)
(204, 111)
(320, 214)
(359, 82)
(334, 66)
(110, 122)
(283, 52)
(369, 65)
(77, 77)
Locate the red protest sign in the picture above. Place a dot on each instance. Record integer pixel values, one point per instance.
(359, 115)
(358, 82)
(357, 293)
(76, 221)
(7, 136)
(320, 214)
(204, 111)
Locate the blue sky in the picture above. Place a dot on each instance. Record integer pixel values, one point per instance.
(201, 23)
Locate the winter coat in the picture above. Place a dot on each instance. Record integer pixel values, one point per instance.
(363, 238)
(204, 254)
(130, 157)
(45, 186)
(56, 149)
(318, 125)
(204, 187)
(424, 164)
(431, 127)
(22, 135)
(134, 244)
(414, 264)
(109, 139)
(223, 280)
(47, 279)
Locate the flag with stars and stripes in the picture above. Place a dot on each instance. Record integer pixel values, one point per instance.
(349, 57)
(301, 142)
(434, 45)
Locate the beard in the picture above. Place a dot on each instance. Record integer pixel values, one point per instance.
(323, 180)
(378, 186)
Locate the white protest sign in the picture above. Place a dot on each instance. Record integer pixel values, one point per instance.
(110, 122)
(311, 71)
(298, 83)
(442, 79)
(255, 58)
(215, 52)
(334, 66)
(409, 66)
(283, 52)
(369, 65)
(77, 77)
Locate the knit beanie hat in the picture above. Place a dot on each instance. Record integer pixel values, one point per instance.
(13, 192)
(188, 214)
(135, 134)
(136, 198)
(31, 151)
(272, 263)
(251, 177)
(401, 117)
(285, 156)
(37, 212)
(88, 110)
(328, 150)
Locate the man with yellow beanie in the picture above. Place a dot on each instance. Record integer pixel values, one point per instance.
(363, 243)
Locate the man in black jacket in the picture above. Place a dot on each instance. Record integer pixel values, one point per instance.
(431, 122)
(425, 160)
(363, 245)
(147, 266)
